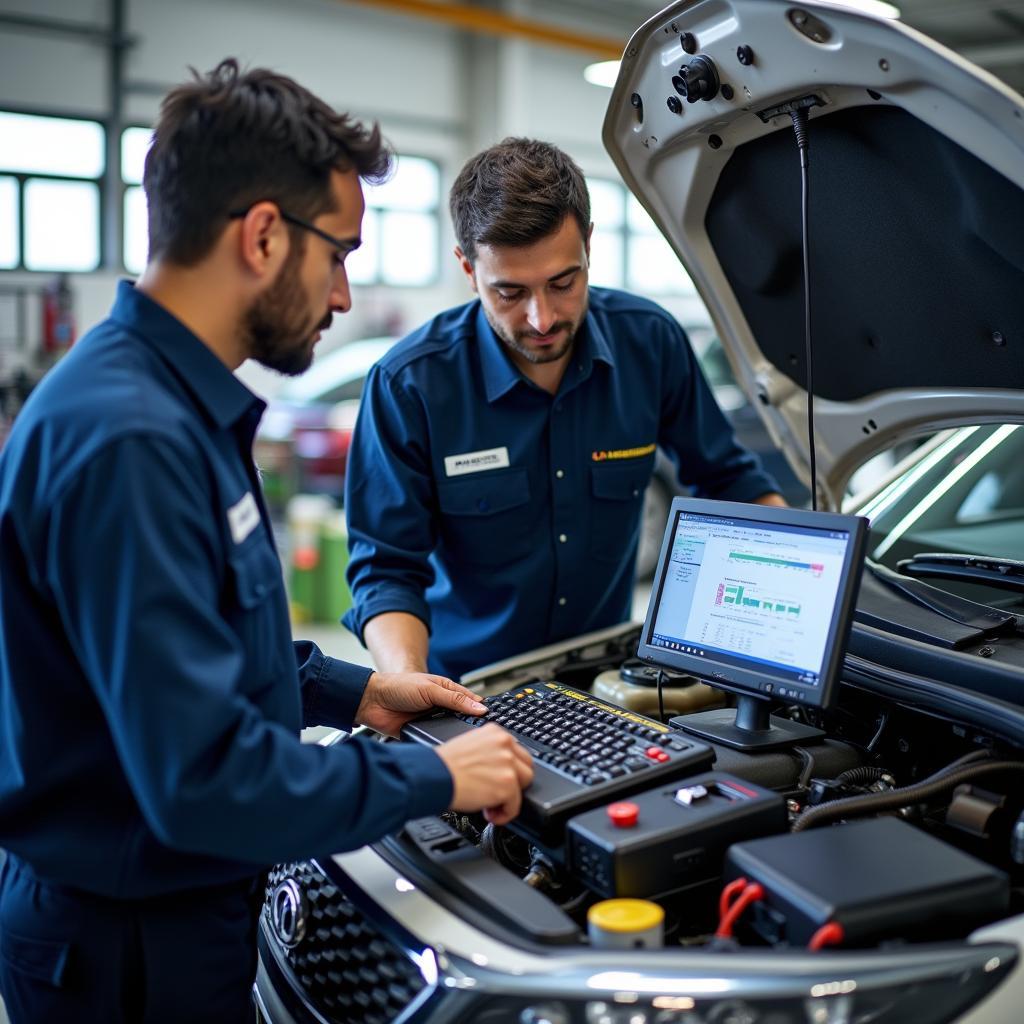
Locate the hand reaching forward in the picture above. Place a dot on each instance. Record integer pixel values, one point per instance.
(393, 698)
(489, 770)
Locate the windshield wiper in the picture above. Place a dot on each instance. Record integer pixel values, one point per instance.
(1003, 573)
(991, 621)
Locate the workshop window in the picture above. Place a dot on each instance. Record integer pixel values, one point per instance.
(651, 264)
(61, 225)
(9, 223)
(401, 228)
(608, 243)
(400, 232)
(627, 250)
(50, 171)
(135, 238)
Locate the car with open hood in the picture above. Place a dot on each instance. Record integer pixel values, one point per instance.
(913, 210)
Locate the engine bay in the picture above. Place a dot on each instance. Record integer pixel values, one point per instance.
(898, 826)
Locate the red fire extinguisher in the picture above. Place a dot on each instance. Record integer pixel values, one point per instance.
(58, 316)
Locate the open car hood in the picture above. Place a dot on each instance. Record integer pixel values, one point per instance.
(916, 215)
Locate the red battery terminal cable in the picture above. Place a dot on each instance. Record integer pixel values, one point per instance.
(830, 934)
(730, 909)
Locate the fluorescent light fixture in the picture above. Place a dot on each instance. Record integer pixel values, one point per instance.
(602, 73)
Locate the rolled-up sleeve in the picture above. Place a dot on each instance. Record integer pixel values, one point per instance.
(389, 492)
(133, 564)
(696, 434)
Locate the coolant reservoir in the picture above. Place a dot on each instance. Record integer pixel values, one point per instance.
(634, 685)
(626, 924)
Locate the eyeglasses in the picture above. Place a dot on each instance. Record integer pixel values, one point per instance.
(344, 246)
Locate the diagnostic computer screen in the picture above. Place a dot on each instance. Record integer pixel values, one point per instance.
(754, 595)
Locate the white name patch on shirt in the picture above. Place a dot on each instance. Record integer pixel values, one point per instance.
(243, 518)
(476, 462)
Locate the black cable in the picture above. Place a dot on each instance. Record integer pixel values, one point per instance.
(872, 803)
(883, 721)
(660, 678)
(860, 776)
(800, 128)
(807, 759)
(969, 758)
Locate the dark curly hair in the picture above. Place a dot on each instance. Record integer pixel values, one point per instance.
(229, 139)
(516, 193)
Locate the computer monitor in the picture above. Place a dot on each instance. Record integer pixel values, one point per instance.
(758, 601)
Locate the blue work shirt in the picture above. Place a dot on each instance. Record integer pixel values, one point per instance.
(150, 694)
(507, 518)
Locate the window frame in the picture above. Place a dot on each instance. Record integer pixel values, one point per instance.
(377, 281)
(434, 212)
(123, 186)
(21, 177)
(626, 233)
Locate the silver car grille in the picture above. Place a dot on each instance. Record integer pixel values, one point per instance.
(343, 965)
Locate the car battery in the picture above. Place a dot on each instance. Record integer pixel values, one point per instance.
(664, 839)
(873, 879)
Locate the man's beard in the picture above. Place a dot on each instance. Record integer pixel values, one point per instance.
(516, 342)
(278, 333)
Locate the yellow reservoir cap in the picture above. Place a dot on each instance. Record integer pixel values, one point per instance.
(625, 916)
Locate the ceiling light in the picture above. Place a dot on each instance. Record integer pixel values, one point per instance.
(602, 73)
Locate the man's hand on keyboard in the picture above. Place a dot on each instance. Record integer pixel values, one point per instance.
(393, 698)
(489, 772)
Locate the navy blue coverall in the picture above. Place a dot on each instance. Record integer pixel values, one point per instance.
(150, 694)
(505, 517)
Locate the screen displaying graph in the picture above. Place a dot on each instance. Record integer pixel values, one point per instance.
(751, 591)
(750, 597)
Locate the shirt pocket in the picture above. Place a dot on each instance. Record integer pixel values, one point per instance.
(257, 612)
(618, 495)
(483, 519)
(40, 959)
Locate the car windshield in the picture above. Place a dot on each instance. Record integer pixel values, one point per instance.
(963, 494)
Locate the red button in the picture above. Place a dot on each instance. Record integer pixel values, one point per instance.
(623, 815)
(654, 753)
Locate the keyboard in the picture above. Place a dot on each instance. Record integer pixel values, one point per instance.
(586, 752)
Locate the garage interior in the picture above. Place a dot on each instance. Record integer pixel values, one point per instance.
(461, 76)
(444, 79)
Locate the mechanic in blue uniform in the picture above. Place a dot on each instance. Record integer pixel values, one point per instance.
(498, 466)
(150, 694)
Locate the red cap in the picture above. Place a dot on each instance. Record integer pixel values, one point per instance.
(623, 815)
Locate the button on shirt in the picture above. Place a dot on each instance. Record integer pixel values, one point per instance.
(150, 694)
(507, 518)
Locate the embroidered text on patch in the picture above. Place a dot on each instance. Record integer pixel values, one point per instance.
(623, 453)
(476, 462)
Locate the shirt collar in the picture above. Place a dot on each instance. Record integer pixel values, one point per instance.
(597, 344)
(225, 399)
(501, 374)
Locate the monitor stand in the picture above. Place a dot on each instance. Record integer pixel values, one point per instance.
(749, 727)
